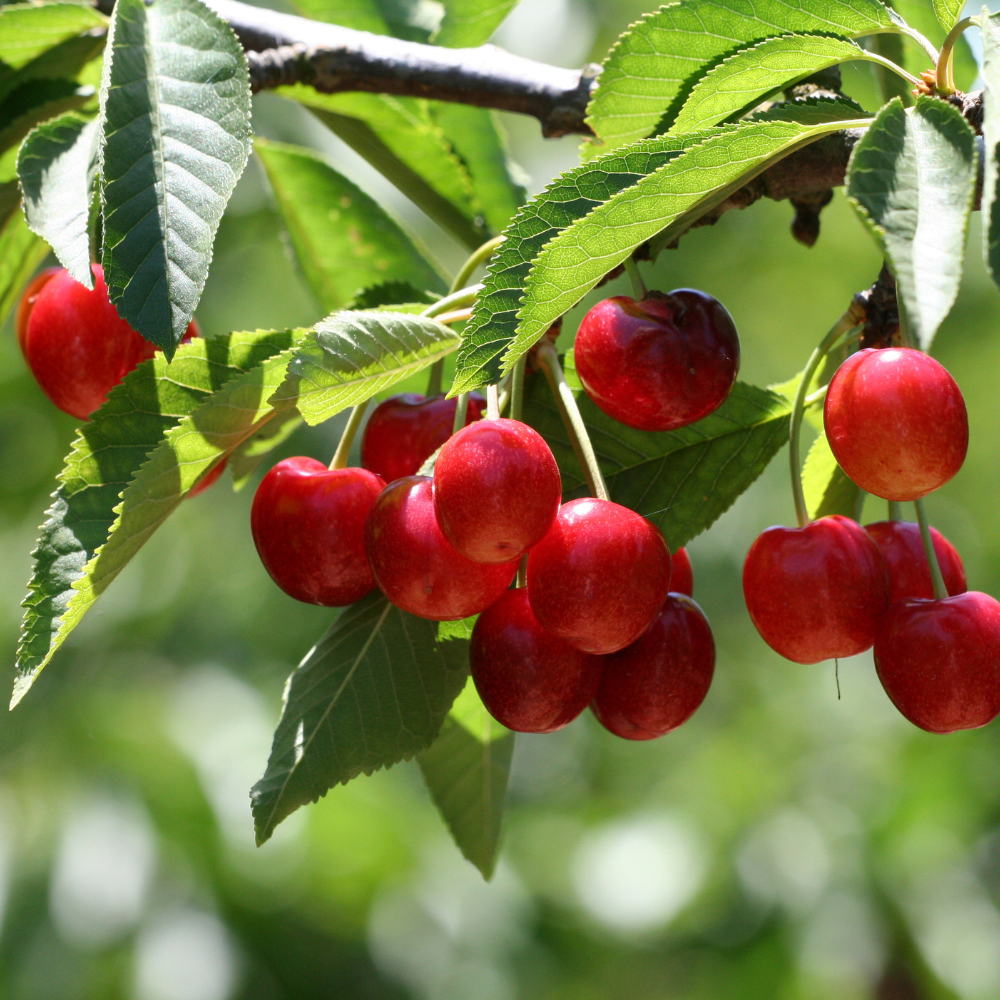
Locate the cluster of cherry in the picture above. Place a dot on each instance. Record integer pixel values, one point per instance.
(897, 425)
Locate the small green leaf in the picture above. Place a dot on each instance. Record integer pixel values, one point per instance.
(651, 68)
(467, 769)
(662, 204)
(175, 116)
(57, 165)
(21, 251)
(30, 104)
(354, 355)
(948, 12)
(825, 484)
(990, 30)
(682, 480)
(912, 178)
(746, 78)
(344, 241)
(391, 293)
(373, 691)
(470, 22)
(28, 30)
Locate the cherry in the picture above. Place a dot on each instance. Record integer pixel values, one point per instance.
(75, 343)
(818, 592)
(530, 680)
(903, 551)
(681, 573)
(416, 566)
(896, 422)
(660, 363)
(308, 523)
(657, 683)
(939, 661)
(496, 490)
(600, 575)
(210, 480)
(404, 431)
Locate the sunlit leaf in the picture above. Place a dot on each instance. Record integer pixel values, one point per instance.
(826, 486)
(470, 22)
(990, 29)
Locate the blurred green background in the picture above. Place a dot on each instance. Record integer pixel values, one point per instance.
(783, 844)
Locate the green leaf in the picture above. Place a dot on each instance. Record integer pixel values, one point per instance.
(77, 557)
(243, 462)
(682, 480)
(825, 484)
(912, 178)
(741, 82)
(650, 70)
(56, 166)
(354, 355)
(343, 239)
(30, 104)
(175, 113)
(21, 251)
(467, 769)
(373, 691)
(663, 204)
(948, 12)
(470, 22)
(391, 293)
(920, 15)
(569, 197)
(990, 30)
(361, 15)
(28, 30)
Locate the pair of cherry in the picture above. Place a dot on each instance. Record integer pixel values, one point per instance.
(897, 424)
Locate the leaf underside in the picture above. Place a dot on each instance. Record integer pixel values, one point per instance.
(826, 486)
(991, 138)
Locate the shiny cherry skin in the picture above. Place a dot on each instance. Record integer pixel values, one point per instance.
(657, 683)
(600, 575)
(939, 661)
(529, 680)
(818, 592)
(496, 490)
(308, 523)
(75, 343)
(681, 574)
(404, 431)
(29, 298)
(902, 549)
(416, 567)
(896, 422)
(660, 363)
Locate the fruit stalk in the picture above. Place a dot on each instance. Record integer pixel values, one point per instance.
(461, 299)
(517, 389)
(461, 409)
(570, 413)
(895, 511)
(339, 460)
(937, 579)
(639, 290)
(476, 259)
(493, 402)
(945, 76)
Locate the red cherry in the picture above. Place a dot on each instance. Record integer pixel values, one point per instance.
(29, 298)
(75, 343)
(530, 680)
(208, 480)
(308, 523)
(416, 566)
(681, 573)
(657, 683)
(896, 422)
(496, 490)
(600, 575)
(818, 592)
(902, 549)
(404, 431)
(661, 363)
(939, 661)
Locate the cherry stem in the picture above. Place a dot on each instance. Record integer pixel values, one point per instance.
(859, 504)
(461, 299)
(517, 389)
(896, 511)
(461, 410)
(847, 322)
(339, 460)
(570, 413)
(945, 77)
(921, 40)
(493, 402)
(940, 590)
(522, 572)
(476, 260)
(435, 379)
(639, 290)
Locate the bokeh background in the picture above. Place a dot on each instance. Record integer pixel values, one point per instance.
(785, 843)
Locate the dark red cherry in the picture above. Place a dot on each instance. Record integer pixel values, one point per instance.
(902, 549)
(404, 431)
(75, 343)
(682, 573)
(657, 683)
(661, 363)
(530, 680)
(416, 567)
(896, 422)
(818, 592)
(939, 661)
(600, 575)
(496, 490)
(308, 523)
